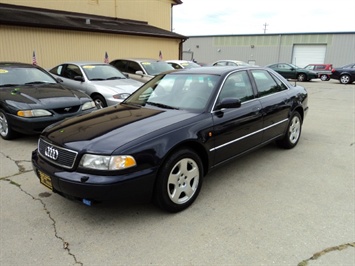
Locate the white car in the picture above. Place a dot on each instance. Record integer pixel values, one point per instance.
(230, 63)
(141, 69)
(102, 82)
(179, 64)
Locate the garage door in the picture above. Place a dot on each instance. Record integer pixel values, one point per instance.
(308, 54)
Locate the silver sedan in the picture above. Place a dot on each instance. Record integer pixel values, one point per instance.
(105, 84)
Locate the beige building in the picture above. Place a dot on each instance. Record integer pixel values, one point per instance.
(68, 30)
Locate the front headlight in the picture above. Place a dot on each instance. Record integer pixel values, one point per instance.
(101, 162)
(33, 113)
(88, 105)
(121, 96)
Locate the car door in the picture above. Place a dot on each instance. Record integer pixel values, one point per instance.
(69, 74)
(287, 71)
(237, 130)
(274, 99)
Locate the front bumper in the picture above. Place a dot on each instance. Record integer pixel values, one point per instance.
(88, 187)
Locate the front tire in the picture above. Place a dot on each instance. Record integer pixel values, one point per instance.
(344, 79)
(100, 101)
(179, 181)
(6, 131)
(293, 133)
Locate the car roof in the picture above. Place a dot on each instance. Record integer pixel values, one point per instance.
(211, 70)
(178, 61)
(229, 60)
(140, 59)
(81, 63)
(17, 64)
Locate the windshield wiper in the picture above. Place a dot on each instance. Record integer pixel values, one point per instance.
(10, 85)
(114, 78)
(98, 79)
(161, 105)
(35, 82)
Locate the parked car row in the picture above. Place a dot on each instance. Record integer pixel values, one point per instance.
(31, 99)
(325, 72)
(290, 71)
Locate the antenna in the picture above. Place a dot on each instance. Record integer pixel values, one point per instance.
(265, 25)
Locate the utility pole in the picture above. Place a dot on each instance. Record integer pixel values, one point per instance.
(265, 25)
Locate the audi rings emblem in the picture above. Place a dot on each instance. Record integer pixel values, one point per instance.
(51, 152)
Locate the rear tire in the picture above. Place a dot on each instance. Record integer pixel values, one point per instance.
(324, 77)
(293, 133)
(301, 77)
(179, 181)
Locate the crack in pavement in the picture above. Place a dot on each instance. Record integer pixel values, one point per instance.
(325, 251)
(22, 170)
(65, 244)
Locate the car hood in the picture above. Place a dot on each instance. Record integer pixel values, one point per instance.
(104, 130)
(44, 95)
(118, 85)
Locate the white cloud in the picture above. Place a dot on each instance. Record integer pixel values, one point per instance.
(213, 17)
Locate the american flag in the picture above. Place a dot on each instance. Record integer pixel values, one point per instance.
(106, 58)
(160, 55)
(34, 60)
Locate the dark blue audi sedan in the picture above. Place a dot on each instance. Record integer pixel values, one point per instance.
(162, 140)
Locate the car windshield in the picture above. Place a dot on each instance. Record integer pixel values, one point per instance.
(156, 67)
(102, 72)
(176, 91)
(190, 65)
(294, 66)
(13, 76)
(349, 66)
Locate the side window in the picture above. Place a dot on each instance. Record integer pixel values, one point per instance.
(284, 66)
(220, 63)
(174, 65)
(57, 70)
(133, 67)
(265, 83)
(71, 71)
(238, 86)
(120, 65)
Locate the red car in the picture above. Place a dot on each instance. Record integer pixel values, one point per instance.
(324, 70)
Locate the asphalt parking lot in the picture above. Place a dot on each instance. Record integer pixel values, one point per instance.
(270, 207)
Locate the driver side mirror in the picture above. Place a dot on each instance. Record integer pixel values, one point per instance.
(229, 103)
(79, 78)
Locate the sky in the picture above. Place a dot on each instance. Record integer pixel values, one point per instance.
(220, 17)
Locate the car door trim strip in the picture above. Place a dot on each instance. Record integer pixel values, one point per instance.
(248, 135)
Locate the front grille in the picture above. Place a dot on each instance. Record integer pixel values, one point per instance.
(57, 155)
(67, 110)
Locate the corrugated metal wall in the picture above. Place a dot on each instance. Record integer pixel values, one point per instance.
(267, 49)
(56, 46)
